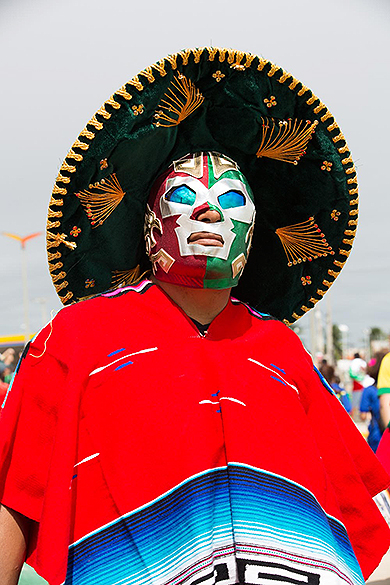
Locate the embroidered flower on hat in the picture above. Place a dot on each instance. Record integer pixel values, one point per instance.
(75, 231)
(270, 102)
(326, 166)
(218, 75)
(138, 109)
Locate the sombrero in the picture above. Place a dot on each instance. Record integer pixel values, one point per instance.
(284, 139)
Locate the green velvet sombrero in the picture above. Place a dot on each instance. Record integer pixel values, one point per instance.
(282, 136)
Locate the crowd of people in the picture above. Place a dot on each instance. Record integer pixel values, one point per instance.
(360, 392)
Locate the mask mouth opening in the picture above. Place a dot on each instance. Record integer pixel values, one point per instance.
(206, 239)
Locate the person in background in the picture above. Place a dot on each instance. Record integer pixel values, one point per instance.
(333, 380)
(7, 374)
(341, 393)
(384, 391)
(326, 370)
(383, 450)
(8, 356)
(369, 404)
(357, 373)
(3, 385)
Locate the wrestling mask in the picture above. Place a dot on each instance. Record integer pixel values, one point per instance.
(199, 222)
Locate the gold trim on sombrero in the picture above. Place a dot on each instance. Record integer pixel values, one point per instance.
(185, 54)
(66, 297)
(103, 112)
(58, 202)
(197, 54)
(234, 60)
(212, 51)
(160, 67)
(303, 241)
(52, 213)
(55, 266)
(172, 60)
(87, 134)
(60, 276)
(101, 199)
(74, 155)
(53, 224)
(63, 179)
(53, 256)
(148, 73)
(59, 190)
(285, 140)
(60, 287)
(136, 82)
(95, 123)
(180, 100)
(79, 144)
(67, 167)
(122, 91)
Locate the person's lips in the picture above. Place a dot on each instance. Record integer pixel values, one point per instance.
(206, 239)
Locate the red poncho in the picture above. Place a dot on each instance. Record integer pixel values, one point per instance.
(148, 453)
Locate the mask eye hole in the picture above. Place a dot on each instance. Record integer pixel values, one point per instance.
(182, 194)
(231, 199)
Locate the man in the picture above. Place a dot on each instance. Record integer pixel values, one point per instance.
(186, 441)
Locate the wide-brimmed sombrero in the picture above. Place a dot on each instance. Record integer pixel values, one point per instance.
(284, 140)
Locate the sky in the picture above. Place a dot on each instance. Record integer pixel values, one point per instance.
(62, 60)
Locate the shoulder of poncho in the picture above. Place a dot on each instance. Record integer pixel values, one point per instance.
(92, 309)
(275, 327)
(277, 333)
(80, 325)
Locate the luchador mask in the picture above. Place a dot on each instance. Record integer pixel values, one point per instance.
(199, 222)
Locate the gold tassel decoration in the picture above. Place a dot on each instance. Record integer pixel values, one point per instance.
(180, 100)
(122, 278)
(303, 242)
(101, 199)
(54, 240)
(285, 140)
